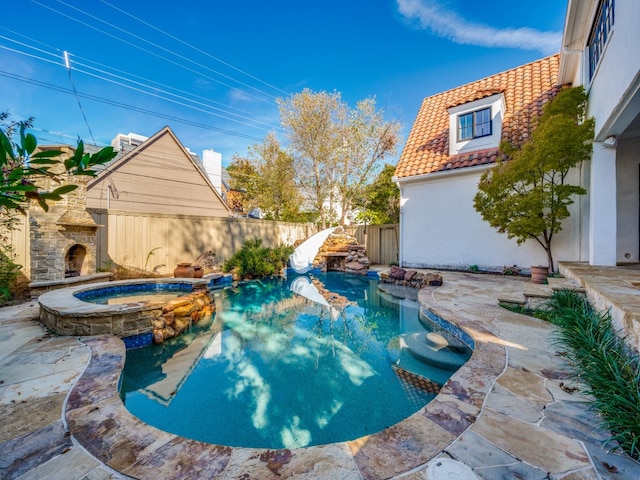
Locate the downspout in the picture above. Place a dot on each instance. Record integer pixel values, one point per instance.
(400, 227)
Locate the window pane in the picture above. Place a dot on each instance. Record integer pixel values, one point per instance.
(482, 122)
(465, 126)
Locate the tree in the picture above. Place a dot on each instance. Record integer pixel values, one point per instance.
(380, 200)
(22, 167)
(368, 139)
(277, 195)
(266, 180)
(311, 120)
(244, 184)
(525, 194)
(337, 149)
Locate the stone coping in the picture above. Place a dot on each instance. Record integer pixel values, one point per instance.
(65, 302)
(95, 277)
(99, 421)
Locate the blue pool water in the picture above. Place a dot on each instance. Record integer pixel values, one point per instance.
(152, 292)
(278, 369)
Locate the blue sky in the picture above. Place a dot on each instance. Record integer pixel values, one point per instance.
(212, 70)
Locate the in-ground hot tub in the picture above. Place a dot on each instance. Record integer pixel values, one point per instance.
(137, 322)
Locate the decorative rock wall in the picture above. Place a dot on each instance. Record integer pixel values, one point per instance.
(341, 252)
(66, 314)
(411, 278)
(179, 314)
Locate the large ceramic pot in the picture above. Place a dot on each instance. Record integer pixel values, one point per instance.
(539, 273)
(184, 270)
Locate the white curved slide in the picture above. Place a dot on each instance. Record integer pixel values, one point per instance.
(301, 259)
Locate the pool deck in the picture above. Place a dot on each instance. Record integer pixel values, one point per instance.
(511, 412)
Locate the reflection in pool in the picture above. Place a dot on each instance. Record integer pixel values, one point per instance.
(278, 369)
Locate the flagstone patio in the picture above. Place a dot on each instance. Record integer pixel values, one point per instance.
(513, 411)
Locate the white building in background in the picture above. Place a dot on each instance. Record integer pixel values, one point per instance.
(124, 143)
(212, 162)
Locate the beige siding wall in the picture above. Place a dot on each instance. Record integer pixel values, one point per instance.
(128, 237)
(160, 178)
(381, 241)
(19, 240)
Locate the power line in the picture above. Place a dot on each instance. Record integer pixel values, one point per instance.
(150, 52)
(75, 93)
(193, 47)
(157, 95)
(127, 106)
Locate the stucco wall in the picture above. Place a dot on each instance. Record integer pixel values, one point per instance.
(618, 66)
(440, 228)
(627, 160)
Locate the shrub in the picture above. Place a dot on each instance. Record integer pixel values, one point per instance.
(9, 271)
(253, 260)
(607, 365)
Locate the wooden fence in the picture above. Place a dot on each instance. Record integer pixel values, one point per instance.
(381, 241)
(161, 241)
(19, 240)
(157, 240)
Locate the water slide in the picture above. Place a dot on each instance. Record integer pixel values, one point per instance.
(303, 286)
(301, 259)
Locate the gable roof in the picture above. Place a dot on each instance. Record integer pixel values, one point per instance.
(149, 145)
(526, 89)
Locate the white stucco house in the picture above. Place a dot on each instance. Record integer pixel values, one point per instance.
(456, 135)
(601, 50)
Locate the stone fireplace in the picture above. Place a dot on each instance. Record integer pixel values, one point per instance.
(63, 240)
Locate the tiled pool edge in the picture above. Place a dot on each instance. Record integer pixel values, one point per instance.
(99, 421)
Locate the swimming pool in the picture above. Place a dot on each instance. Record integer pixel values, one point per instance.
(278, 369)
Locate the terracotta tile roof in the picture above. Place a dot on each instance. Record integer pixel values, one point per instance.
(526, 89)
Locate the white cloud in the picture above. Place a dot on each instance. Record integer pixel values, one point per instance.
(445, 23)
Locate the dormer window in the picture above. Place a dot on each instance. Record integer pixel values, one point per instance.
(474, 124)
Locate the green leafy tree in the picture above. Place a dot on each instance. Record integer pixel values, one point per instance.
(244, 184)
(23, 167)
(368, 139)
(276, 194)
(526, 195)
(337, 149)
(380, 200)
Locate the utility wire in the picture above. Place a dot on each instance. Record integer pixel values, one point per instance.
(150, 52)
(75, 93)
(126, 106)
(194, 48)
(157, 95)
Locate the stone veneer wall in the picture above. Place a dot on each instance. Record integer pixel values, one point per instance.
(160, 319)
(53, 233)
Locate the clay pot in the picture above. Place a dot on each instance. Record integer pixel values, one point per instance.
(198, 271)
(184, 270)
(539, 273)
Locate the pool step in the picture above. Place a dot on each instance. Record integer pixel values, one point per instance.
(433, 349)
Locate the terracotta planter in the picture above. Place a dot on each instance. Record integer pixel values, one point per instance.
(539, 273)
(199, 272)
(184, 270)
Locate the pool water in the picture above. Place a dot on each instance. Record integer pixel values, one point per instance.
(122, 298)
(278, 369)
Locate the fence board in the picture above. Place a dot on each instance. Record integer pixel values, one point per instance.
(381, 241)
(129, 237)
